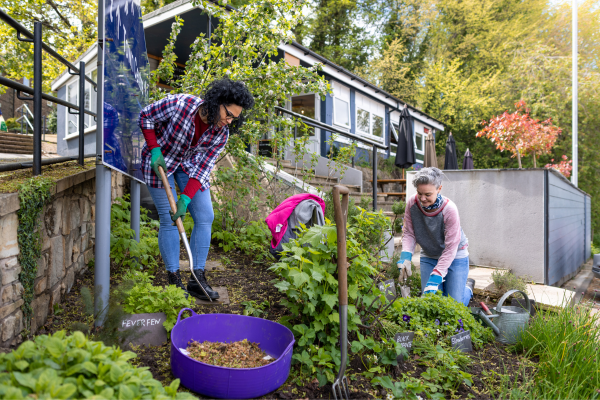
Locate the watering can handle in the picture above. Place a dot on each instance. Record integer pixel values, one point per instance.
(181, 312)
(341, 217)
(505, 296)
(488, 322)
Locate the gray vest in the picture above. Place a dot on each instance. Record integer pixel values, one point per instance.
(429, 232)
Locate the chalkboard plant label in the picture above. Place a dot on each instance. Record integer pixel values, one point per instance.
(405, 339)
(388, 288)
(147, 329)
(462, 341)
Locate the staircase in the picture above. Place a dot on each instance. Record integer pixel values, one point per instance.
(16, 143)
(326, 184)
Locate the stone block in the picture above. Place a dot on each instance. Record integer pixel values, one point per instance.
(79, 178)
(55, 294)
(57, 263)
(68, 250)
(8, 327)
(76, 247)
(45, 240)
(70, 278)
(86, 209)
(11, 263)
(42, 265)
(19, 323)
(75, 211)
(40, 311)
(64, 184)
(87, 256)
(10, 275)
(8, 309)
(53, 217)
(7, 294)
(9, 203)
(9, 245)
(85, 239)
(92, 231)
(40, 285)
(66, 218)
(79, 264)
(91, 174)
(18, 290)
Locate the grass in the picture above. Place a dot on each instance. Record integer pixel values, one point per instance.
(10, 180)
(566, 343)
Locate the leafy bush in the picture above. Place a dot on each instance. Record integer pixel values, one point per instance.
(439, 317)
(124, 249)
(308, 268)
(505, 280)
(62, 367)
(251, 238)
(566, 343)
(146, 298)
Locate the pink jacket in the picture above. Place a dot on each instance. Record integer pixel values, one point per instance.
(282, 212)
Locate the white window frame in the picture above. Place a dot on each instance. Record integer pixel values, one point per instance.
(89, 129)
(342, 93)
(369, 106)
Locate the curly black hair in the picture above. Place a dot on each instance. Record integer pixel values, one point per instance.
(226, 91)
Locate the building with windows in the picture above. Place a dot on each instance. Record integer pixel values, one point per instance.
(356, 105)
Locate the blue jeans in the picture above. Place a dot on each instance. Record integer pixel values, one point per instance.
(168, 237)
(454, 284)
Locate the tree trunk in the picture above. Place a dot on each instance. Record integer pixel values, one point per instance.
(519, 157)
(534, 160)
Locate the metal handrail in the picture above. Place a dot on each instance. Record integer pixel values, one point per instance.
(24, 117)
(22, 30)
(318, 124)
(26, 89)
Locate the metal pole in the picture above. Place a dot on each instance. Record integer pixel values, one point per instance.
(103, 194)
(81, 110)
(374, 178)
(135, 208)
(44, 130)
(575, 97)
(37, 99)
(354, 156)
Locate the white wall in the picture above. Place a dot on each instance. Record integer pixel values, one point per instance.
(502, 215)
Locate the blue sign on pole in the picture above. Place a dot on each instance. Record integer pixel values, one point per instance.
(125, 80)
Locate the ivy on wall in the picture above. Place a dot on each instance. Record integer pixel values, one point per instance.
(34, 194)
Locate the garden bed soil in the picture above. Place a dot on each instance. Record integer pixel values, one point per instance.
(247, 280)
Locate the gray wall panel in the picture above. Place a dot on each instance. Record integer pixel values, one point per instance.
(566, 229)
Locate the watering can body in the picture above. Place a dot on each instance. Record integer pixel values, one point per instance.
(508, 322)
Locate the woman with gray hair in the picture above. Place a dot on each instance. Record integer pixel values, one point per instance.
(432, 221)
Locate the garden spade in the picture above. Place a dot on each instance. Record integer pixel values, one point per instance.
(405, 273)
(180, 227)
(340, 385)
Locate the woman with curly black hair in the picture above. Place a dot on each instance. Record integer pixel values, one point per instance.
(185, 135)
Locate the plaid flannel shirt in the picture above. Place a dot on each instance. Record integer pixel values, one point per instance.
(172, 119)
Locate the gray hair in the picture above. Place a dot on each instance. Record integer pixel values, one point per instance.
(429, 175)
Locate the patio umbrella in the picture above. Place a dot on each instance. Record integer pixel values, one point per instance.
(430, 157)
(468, 160)
(405, 154)
(451, 162)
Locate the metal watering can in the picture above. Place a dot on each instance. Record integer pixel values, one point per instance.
(509, 322)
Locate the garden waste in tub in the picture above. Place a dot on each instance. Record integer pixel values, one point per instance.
(240, 354)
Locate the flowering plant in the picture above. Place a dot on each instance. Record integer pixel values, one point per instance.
(564, 167)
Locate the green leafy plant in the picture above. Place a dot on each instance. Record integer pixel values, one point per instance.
(34, 194)
(308, 268)
(124, 249)
(253, 308)
(63, 367)
(438, 317)
(505, 280)
(409, 388)
(145, 298)
(566, 343)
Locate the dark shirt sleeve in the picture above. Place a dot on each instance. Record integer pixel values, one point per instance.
(150, 137)
(192, 187)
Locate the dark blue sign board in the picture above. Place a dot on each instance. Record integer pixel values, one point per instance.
(125, 80)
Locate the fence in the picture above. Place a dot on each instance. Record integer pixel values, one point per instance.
(36, 94)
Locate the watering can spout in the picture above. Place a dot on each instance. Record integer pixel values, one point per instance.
(489, 322)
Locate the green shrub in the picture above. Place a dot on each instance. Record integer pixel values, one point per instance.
(566, 343)
(439, 317)
(505, 280)
(146, 298)
(124, 249)
(63, 367)
(251, 238)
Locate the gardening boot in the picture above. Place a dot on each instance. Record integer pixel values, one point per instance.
(195, 290)
(175, 279)
(471, 284)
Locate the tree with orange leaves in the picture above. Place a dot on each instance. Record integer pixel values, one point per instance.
(520, 134)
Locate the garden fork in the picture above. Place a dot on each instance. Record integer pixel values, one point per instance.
(180, 227)
(340, 385)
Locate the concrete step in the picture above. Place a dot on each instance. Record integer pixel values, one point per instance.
(16, 137)
(328, 186)
(16, 149)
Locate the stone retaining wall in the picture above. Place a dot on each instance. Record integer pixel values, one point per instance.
(68, 232)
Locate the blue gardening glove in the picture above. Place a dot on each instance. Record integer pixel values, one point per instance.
(433, 284)
(405, 266)
(157, 160)
(182, 204)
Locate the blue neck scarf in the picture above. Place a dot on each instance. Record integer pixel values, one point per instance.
(438, 202)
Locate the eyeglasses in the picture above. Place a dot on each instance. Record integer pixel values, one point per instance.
(229, 115)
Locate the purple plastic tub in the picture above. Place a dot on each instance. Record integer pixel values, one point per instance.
(233, 383)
